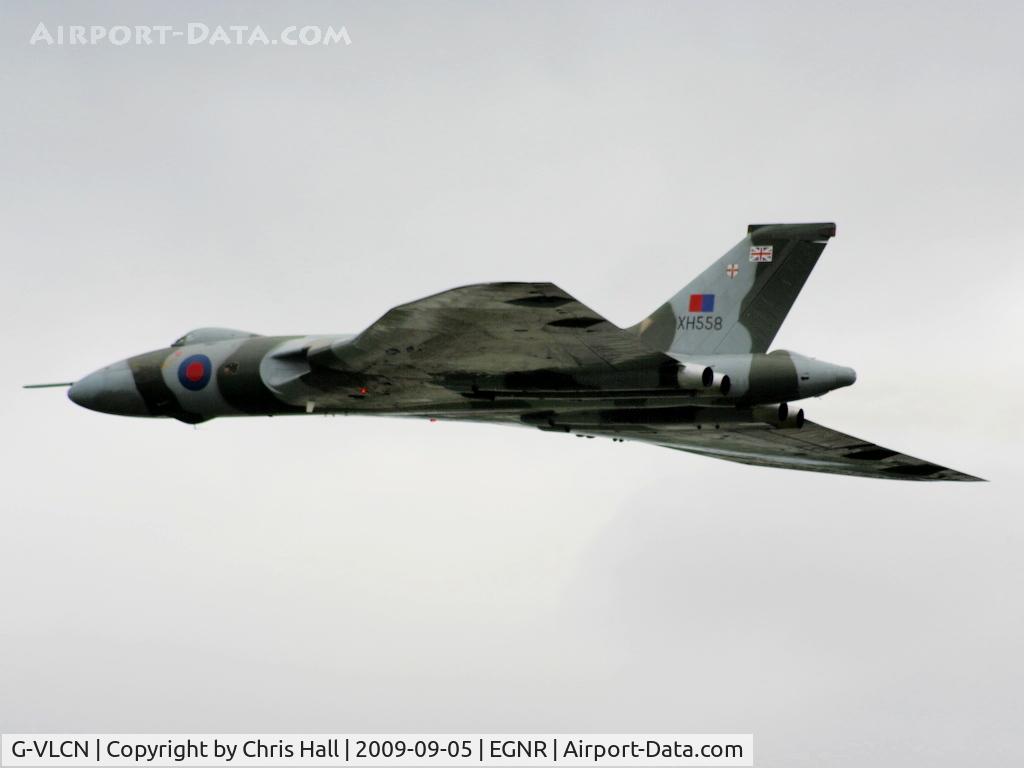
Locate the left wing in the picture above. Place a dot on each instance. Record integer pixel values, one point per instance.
(490, 328)
(812, 447)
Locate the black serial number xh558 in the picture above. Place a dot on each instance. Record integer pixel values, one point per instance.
(696, 375)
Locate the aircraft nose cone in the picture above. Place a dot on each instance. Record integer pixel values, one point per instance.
(109, 390)
(845, 376)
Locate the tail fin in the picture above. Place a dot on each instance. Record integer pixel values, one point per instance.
(738, 303)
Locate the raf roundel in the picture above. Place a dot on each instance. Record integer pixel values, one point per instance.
(194, 372)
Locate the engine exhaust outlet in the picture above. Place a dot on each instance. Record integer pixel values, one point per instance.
(780, 416)
(692, 376)
(696, 376)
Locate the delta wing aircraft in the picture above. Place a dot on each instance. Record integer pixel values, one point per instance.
(695, 376)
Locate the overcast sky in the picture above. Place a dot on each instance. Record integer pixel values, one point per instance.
(330, 574)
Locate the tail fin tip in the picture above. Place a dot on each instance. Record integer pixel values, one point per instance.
(821, 232)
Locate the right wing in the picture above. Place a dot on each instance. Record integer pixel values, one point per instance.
(812, 448)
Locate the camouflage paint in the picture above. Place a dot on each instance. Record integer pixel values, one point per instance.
(531, 354)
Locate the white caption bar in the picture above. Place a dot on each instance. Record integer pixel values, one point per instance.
(328, 750)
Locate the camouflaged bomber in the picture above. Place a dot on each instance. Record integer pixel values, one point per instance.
(696, 375)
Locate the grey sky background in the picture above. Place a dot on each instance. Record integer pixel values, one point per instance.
(325, 574)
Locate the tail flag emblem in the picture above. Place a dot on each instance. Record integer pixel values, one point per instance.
(702, 302)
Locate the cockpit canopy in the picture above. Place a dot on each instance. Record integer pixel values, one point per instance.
(206, 335)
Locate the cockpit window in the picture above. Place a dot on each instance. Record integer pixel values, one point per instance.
(206, 335)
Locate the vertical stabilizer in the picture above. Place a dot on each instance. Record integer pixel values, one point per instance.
(738, 303)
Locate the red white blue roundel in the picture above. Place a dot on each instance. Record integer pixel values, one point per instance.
(194, 372)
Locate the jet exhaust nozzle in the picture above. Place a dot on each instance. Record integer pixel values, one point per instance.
(693, 376)
(780, 416)
(722, 383)
(696, 376)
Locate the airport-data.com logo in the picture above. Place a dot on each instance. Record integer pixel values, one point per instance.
(192, 33)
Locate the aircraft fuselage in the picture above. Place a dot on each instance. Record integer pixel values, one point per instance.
(248, 375)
